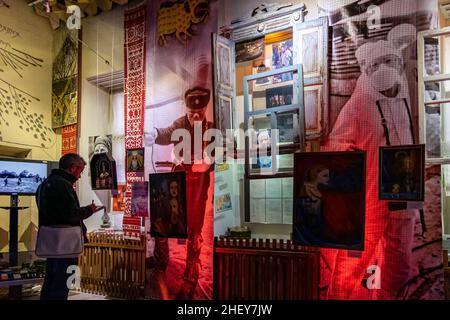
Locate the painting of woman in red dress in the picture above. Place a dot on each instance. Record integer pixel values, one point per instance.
(329, 200)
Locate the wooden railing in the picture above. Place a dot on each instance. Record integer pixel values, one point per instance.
(249, 269)
(113, 266)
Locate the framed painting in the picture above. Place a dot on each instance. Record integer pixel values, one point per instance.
(135, 160)
(279, 96)
(168, 206)
(329, 199)
(139, 199)
(401, 173)
(103, 172)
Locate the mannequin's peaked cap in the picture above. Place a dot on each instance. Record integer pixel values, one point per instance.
(197, 98)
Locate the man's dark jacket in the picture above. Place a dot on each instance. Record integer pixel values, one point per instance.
(58, 203)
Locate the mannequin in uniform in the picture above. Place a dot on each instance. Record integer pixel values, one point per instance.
(197, 179)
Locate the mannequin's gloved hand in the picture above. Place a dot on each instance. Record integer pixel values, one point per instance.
(150, 137)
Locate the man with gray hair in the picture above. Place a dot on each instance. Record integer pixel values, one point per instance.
(58, 205)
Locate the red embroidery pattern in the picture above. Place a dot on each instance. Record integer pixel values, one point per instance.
(69, 139)
(134, 90)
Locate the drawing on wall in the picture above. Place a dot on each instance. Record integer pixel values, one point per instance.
(17, 103)
(65, 79)
(177, 18)
(168, 210)
(329, 199)
(15, 59)
(401, 173)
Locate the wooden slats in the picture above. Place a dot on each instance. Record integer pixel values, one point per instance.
(113, 266)
(253, 269)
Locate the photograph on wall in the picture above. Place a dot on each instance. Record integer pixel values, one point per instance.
(222, 203)
(279, 96)
(139, 199)
(401, 173)
(103, 172)
(263, 140)
(282, 56)
(65, 78)
(287, 125)
(249, 50)
(168, 210)
(100, 144)
(135, 160)
(329, 199)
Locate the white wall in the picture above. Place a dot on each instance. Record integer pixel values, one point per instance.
(34, 36)
(104, 34)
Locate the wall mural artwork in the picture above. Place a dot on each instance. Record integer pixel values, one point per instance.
(65, 79)
(175, 17)
(16, 103)
(181, 268)
(16, 59)
(373, 103)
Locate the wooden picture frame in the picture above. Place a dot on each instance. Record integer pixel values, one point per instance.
(401, 174)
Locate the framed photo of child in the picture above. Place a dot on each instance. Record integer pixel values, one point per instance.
(168, 209)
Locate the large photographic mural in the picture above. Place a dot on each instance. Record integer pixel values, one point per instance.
(373, 103)
(179, 90)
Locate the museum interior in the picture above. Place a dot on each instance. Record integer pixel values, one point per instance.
(234, 150)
